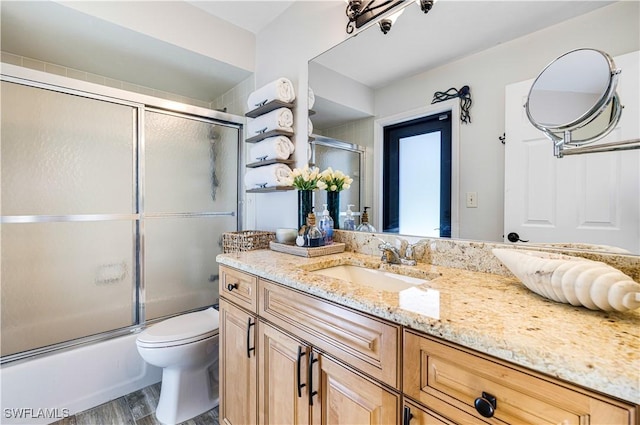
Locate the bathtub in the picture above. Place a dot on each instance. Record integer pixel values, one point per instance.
(45, 389)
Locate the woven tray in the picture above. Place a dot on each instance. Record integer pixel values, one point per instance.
(302, 251)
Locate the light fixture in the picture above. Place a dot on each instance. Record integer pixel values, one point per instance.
(361, 12)
(387, 23)
(425, 5)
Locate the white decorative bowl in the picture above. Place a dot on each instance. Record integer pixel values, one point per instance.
(572, 280)
(287, 236)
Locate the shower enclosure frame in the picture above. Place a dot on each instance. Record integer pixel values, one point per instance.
(141, 103)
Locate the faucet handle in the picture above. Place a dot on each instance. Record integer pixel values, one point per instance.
(410, 251)
(384, 244)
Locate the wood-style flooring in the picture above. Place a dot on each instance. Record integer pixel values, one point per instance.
(137, 408)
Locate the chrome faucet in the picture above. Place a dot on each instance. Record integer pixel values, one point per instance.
(391, 255)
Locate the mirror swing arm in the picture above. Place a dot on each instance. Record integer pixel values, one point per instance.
(547, 95)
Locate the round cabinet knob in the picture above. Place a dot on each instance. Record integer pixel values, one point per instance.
(486, 405)
(231, 287)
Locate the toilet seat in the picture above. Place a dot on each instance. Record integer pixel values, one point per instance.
(180, 330)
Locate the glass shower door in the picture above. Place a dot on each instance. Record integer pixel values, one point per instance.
(68, 217)
(190, 199)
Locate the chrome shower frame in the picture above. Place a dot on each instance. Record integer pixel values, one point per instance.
(141, 103)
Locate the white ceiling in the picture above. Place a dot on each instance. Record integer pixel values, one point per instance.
(51, 32)
(250, 15)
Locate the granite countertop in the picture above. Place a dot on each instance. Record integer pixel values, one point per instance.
(486, 312)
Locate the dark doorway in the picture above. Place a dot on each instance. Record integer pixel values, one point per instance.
(417, 177)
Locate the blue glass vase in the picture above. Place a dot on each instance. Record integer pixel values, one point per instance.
(305, 205)
(333, 205)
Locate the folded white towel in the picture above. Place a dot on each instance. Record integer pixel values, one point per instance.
(267, 176)
(280, 89)
(311, 98)
(279, 119)
(278, 147)
(309, 126)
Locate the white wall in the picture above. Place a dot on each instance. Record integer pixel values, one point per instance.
(178, 23)
(283, 49)
(340, 89)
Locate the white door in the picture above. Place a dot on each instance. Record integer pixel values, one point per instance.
(589, 199)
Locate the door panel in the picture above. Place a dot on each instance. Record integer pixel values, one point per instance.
(591, 198)
(348, 398)
(281, 368)
(238, 379)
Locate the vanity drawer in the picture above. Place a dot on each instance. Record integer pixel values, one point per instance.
(368, 344)
(449, 379)
(239, 287)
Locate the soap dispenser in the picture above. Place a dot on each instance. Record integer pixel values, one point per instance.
(326, 226)
(365, 226)
(349, 222)
(314, 235)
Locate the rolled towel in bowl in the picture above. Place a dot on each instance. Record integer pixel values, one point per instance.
(280, 89)
(277, 147)
(309, 127)
(267, 176)
(279, 119)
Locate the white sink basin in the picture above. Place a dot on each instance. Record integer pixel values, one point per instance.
(375, 279)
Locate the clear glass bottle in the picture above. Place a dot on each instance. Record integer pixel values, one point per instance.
(365, 226)
(326, 226)
(314, 235)
(349, 222)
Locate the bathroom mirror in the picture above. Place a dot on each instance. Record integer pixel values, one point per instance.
(488, 46)
(346, 157)
(571, 93)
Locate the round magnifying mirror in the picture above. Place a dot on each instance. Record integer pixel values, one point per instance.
(575, 92)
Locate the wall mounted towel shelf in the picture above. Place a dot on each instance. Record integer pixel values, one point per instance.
(270, 189)
(268, 107)
(271, 133)
(270, 161)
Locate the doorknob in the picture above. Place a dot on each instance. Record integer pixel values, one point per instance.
(514, 237)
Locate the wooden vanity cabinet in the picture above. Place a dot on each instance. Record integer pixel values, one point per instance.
(294, 391)
(238, 365)
(283, 365)
(288, 357)
(238, 357)
(297, 373)
(460, 384)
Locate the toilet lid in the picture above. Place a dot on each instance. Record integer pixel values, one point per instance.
(182, 329)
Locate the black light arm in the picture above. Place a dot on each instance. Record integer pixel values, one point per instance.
(361, 12)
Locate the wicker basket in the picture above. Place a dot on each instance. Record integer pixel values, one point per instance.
(246, 240)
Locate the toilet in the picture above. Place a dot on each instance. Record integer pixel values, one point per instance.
(186, 348)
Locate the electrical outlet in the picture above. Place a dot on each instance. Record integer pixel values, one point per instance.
(472, 199)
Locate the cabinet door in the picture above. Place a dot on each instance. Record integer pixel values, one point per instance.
(412, 414)
(345, 397)
(238, 378)
(469, 387)
(282, 376)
